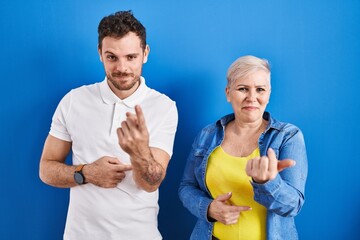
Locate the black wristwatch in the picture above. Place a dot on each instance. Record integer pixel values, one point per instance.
(78, 175)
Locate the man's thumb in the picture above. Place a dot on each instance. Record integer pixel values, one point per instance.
(113, 160)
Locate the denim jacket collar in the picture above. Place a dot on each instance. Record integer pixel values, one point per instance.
(272, 123)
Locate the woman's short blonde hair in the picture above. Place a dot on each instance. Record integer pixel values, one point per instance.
(244, 66)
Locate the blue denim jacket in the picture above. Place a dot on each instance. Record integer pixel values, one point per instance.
(283, 197)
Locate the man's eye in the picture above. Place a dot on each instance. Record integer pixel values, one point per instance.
(130, 58)
(111, 57)
(260, 89)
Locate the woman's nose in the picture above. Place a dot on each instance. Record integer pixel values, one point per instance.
(251, 96)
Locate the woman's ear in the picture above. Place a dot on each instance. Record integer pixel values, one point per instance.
(227, 92)
(269, 96)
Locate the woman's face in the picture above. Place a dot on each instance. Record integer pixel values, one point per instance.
(249, 96)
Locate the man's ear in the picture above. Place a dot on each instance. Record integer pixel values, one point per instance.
(146, 53)
(99, 51)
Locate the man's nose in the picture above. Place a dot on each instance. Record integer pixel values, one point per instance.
(121, 66)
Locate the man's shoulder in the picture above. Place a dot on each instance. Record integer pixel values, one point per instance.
(158, 105)
(85, 89)
(158, 97)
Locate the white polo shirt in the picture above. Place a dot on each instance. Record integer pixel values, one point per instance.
(88, 117)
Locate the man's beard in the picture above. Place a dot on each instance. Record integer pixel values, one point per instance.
(122, 87)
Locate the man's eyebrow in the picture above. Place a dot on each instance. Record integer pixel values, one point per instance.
(109, 52)
(129, 54)
(133, 54)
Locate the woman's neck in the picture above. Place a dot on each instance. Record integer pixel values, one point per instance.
(241, 139)
(241, 128)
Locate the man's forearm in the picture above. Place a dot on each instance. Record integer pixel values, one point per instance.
(57, 174)
(147, 172)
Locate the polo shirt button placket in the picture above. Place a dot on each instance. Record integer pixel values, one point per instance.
(118, 117)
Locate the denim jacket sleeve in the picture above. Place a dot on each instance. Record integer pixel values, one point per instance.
(284, 195)
(192, 191)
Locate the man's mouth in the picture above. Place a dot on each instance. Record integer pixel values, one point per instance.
(121, 75)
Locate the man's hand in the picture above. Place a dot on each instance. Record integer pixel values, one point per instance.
(223, 212)
(133, 134)
(149, 164)
(105, 172)
(263, 169)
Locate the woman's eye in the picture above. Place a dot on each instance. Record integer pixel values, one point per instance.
(242, 89)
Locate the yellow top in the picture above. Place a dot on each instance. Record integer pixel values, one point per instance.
(226, 173)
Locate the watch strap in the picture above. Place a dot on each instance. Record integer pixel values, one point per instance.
(79, 168)
(78, 171)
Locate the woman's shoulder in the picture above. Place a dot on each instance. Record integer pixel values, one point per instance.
(218, 124)
(209, 129)
(281, 126)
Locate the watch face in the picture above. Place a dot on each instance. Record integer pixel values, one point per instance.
(79, 179)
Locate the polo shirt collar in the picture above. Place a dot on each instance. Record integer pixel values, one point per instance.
(109, 96)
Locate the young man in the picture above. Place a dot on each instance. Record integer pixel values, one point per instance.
(121, 135)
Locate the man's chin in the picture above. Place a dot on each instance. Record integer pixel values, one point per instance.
(123, 84)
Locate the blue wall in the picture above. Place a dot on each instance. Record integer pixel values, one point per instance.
(49, 47)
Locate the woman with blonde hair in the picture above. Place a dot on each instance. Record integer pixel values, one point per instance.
(245, 175)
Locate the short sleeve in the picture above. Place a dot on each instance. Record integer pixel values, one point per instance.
(58, 127)
(165, 134)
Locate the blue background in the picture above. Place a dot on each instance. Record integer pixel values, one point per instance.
(50, 47)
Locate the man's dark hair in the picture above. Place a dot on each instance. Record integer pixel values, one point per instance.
(119, 24)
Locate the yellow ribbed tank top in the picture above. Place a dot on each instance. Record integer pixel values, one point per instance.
(226, 173)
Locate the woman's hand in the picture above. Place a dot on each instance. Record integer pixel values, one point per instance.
(224, 212)
(265, 168)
